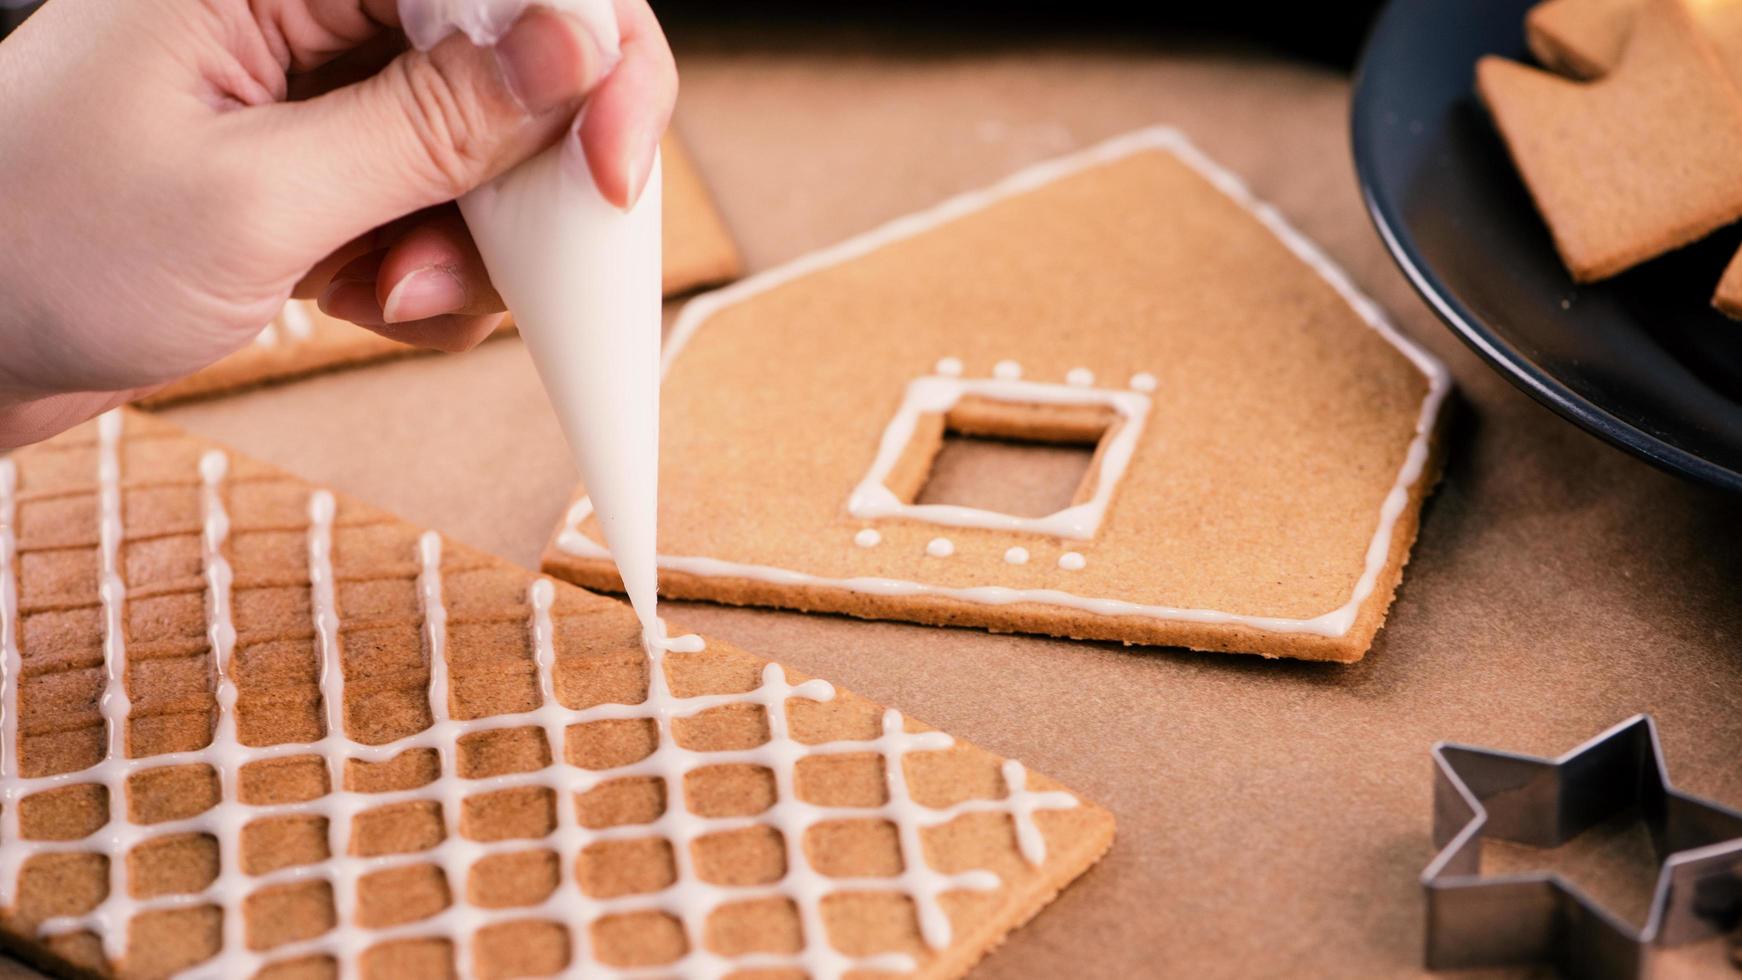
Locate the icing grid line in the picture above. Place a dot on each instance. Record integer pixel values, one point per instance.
(1334, 623)
(689, 899)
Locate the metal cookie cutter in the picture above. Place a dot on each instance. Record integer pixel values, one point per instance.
(1540, 918)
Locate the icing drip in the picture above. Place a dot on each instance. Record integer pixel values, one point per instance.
(1017, 555)
(1007, 370)
(1071, 561)
(1335, 622)
(949, 367)
(690, 899)
(940, 548)
(1081, 377)
(867, 538)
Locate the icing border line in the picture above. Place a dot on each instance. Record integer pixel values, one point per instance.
(1335, 623)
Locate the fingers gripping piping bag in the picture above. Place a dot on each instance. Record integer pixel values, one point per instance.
(583, 281)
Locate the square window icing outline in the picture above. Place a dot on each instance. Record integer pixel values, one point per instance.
(934, 396)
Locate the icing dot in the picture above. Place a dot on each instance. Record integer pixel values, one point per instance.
(1017, 556)
(951, 366)
(1081, 377)
(867, 538)
(1008, 370)
(940, 548)
(1143, 381)
(1071, 561)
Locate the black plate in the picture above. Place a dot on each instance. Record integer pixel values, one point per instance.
(1642, 359)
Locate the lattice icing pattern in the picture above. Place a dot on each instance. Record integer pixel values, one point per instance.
(187, 782)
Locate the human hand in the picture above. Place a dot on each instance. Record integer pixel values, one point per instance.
(174, 170)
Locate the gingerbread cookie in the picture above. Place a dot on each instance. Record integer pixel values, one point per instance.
(303, 340)
(1585, 38)
(1728, 297)
(254, 728)
(1261, 438)
(300, 341)
(1644, 160)
(1579, 38)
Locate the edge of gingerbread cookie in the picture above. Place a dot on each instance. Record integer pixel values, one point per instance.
(1341, 634)
(228, 377)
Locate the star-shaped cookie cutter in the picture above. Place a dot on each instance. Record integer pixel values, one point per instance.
(1540, 917)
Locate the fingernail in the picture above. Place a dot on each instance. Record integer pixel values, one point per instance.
(550, 59)
(353, 300)
(427, 292)
(639, 167)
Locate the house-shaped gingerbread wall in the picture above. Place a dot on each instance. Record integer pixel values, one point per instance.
(1263, 438)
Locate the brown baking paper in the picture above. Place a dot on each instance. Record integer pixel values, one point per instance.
(1273, 816)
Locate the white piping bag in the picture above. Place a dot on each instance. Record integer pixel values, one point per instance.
(582, 278)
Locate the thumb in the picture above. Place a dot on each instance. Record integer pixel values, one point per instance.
(435, 124)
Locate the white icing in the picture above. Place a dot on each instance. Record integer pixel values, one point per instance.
(296, 321)
(1143, 381)
(114, 704)
(230, 815)
(1335, 622)
(940, 548)
(293, 323)
(1025, 802)
(690, 899)
(934, 395)
(1071, 561)
(1080, 376)
(1017, 555)
(867, 538)
(949, 367)
(1007, 370)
